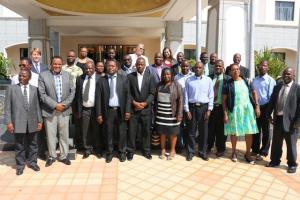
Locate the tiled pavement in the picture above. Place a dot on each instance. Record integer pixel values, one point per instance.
(157, 179)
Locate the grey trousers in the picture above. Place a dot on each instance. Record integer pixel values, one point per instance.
(57, 124)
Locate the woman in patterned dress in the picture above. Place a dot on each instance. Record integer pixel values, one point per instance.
(168, 109)
(239, 115)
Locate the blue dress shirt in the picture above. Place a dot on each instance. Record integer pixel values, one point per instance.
(263, 85)
(198, 90)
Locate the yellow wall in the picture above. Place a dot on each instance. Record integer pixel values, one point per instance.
(152, 45)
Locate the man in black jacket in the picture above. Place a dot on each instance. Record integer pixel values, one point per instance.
(285, 102)
(216, 124)
(113, 108)
(142, 89)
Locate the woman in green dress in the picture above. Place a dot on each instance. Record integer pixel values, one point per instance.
(239, 115)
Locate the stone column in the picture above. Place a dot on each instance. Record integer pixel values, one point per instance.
(198, 29)
(38, 33)
(174, 36)
(227, 29)
(298, 55)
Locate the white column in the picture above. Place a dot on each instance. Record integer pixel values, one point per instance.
(251, 63)
(174, 36)
(198, 29)
(298, 55)
(38, 33)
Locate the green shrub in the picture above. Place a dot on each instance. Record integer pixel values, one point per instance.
(4, 66)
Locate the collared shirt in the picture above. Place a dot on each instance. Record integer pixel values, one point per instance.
(159, 69)
(128, 70)
(27, 90)
(140, 79)
(181, 79)
(210, 68)
(198, 90)
(263, 85)
(113, 99)
(58, 86)
(34, 81)
(74, 70)
(221, 81)
(134, 57)
(206, 69)
(287, 88)
(91, 100)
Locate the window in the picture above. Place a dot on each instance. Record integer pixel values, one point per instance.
(23, 52)
(284, 10)
(189, 54)
(280, 56)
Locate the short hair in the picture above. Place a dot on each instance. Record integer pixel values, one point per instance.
(141, 58)
(221, 61)
(72, 50)
(27, 59)
(90, 62)
(83, 47)
(233, 64)
(38, 50)
(107, 62)
(56, 57)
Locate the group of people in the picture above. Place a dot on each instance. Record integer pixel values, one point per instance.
(112, 103)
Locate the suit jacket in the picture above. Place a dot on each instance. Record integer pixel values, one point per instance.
(291, 110)
(103, 93)
(16, 113)
(147, 90)
(244, 72)
(175, 69)
(226, 78)
(48, 93)
(155, 74)
(43, 67)
(78, 93)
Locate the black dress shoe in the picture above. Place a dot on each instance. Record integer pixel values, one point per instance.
(270, 164)
(129, 156)
(147, 155)
(189, 157)
(66, 161)
(204, 157)
(19, 172)
(49, 162)
(220, 153)
(291, 169)
(86, 155)
(34, 167)
(108, 158)
(122, 157)
(98, 155)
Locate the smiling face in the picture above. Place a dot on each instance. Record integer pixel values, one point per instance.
(71, 58)
(219, 67)
(36, 56)
(83, 52)
(237, 58)
(288, 75)
(263, 68)
(56, 65)
(204, 58)
(198, 69)
(235, 71)
(185, 67)
(166, 76)
(89, 69)
(158, 59)
(24, 77)
(111, 67)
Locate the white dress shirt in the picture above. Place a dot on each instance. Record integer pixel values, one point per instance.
(140, 79)
(134, 57)
(27, 90)
(91, 100)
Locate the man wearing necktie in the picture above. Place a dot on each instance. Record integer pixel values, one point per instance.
(215, 125)
(85, 110)
(113, 109)
(285, 105)
(24, 119)
(38, 67)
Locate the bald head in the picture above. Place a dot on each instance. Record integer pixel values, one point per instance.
(288, 75)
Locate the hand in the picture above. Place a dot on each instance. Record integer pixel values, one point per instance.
(189, 115)
(127, 116)
(100, 119)
(271, 120)
(39, 126)
(225, 118)
(179, 119)
(257, 112)
(59, 107)
(207, 115)
(10, 127)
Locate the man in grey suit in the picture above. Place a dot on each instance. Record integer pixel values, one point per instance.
(23, 118)
(57, 91)
(285, 106)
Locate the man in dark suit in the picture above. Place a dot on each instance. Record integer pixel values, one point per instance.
(85, 110)
(244, 71)
(23, 118)
(176, 69)
(142, 89)
(113, 108)
(157, 67)
(215, 123)
(285, 102)
(37, 67)
(57, 90)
